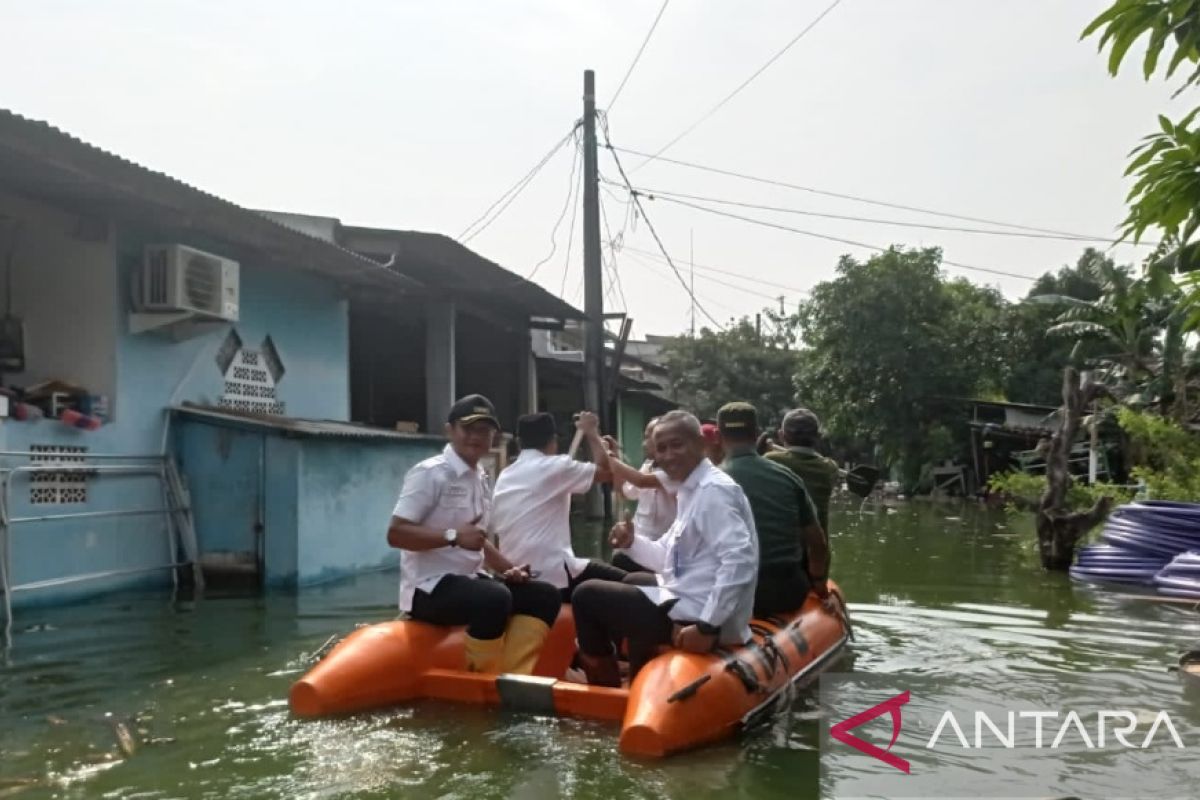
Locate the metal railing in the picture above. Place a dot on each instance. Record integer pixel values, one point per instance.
(175, 511)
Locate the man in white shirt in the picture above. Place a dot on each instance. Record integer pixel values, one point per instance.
(531, 507)
(439, 522)
(707, 565)
(655, 506)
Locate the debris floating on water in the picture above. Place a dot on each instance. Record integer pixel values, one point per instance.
(125, 739)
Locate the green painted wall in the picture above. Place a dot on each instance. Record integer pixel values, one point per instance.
(632, 416)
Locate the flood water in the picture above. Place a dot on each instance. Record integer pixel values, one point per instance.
(201, 686)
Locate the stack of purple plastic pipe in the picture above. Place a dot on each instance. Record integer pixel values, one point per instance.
(1151, 543)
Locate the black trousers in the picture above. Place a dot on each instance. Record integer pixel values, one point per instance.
(595, 570)
(606, 611)
(484, 604)
(781, 589)
(623, 561)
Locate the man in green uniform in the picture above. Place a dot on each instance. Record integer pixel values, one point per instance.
(799, 433)
(793, 552)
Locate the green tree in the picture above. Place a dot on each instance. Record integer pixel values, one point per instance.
(1166, 166)
(1035, 361)
(739, 363)
(1134, 329)
(885, 348)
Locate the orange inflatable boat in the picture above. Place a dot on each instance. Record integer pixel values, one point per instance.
(677, 701)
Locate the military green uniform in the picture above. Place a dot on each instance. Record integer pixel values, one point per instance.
(782, 508)
(820, 475)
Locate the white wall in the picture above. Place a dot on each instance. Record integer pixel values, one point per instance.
(64, 287)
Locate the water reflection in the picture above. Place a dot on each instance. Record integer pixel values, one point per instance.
(934, 591)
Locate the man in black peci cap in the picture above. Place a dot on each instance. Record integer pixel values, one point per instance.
(792, 550)
(531, 509)
(440, 523)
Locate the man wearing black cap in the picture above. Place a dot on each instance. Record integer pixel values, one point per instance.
(800, 431)
(793, 555)
(439, 522)
(531, 511)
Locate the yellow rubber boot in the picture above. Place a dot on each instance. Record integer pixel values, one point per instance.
(484, 655)
(523, 643)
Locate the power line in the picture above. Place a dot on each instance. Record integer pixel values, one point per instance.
(571, 193)
(857, 199)
(652, 193)
(665, 274)
(571, 231)
(638, 57)
(772, 297)
(513, 191)
(742, 85)
(613, 246)
(732, 273)
(840, 240)
(649, 225)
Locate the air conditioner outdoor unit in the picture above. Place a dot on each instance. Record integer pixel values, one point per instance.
(181, 279)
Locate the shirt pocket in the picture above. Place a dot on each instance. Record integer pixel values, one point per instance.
(456, 497)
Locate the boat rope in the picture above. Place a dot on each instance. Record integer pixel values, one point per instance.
(323, 650)
(842, 613)
(690, 689)
(775, 654)
(744, 673)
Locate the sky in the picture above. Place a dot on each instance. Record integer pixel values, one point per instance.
(419, 115)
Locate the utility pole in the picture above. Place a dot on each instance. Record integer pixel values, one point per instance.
(781, 311)
(593, 276)
(692, 291)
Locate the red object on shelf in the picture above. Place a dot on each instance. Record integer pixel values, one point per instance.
(82, 421)
(25, 412)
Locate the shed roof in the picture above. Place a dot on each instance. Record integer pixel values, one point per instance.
(445, 265)
(293, 426)
(41, 161)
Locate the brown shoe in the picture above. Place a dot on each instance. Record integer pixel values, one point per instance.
(601, 670)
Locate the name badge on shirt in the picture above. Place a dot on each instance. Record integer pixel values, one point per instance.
(455, 496)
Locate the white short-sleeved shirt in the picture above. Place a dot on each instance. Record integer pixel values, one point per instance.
(531, 513)
(709, 557)
(441, 492)
(656, 508)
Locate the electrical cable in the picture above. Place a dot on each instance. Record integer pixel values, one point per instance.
(742, 85)
(703, 277)
(666, 275)
(838, 239)
(652, 193)
(571, 237)
(613, 246)
(513, 191)
(650, 226)
(561, 215)
(718, 270)
(859, 199)
(638, 57)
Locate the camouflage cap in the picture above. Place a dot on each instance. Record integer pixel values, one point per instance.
(738, 419)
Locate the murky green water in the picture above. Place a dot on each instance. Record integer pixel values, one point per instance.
(934, 590)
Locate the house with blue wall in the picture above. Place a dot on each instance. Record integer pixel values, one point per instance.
(225, 438)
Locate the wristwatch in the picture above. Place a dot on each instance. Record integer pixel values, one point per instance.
(707, 629)
(451, 537)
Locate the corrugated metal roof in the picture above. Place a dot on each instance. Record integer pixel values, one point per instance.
(441, 263)
(292, 426)
(40, 160)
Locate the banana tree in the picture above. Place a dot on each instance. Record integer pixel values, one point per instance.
(1126, 318)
